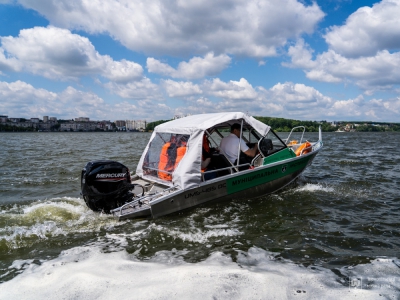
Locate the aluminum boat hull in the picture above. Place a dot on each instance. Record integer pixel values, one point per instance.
(247, 184)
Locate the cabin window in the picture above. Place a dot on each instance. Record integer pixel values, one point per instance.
(250, 136)
(271, 143)
(165, 152)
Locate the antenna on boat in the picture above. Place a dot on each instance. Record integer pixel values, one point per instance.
(320, 134)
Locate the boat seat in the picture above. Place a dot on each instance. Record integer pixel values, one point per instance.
(243, 160)
(219, 161)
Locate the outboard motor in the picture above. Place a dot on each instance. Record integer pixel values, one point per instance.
(106, 185)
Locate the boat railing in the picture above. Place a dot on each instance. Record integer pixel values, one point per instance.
(158, 170)
(139, 201)
(287, 140)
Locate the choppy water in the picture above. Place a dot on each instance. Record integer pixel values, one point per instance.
(334, 233)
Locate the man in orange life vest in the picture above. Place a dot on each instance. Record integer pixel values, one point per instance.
(170, 156)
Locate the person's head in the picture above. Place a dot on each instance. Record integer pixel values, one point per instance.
(235, 129)
(173, 139)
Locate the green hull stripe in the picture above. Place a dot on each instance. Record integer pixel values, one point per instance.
(281, 155)
(255, 178)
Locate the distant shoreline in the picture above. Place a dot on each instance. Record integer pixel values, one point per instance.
(277, 124)
(338, 132)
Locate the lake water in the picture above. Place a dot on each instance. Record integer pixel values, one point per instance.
(333, 234)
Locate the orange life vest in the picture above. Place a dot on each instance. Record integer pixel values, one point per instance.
(166, 164)
(163, 164)
(180, 152)
(305, 147)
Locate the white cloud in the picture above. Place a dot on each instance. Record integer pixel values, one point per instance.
(232, 90)
(287, 100)
(23, 100)
(363, 51)
(240, 27)
(346, 108)
(369, 73)
(299, 101)
(8, 63)
(181, 89)
(361, 109)
(367, 31)
(123, 71)
(57, 53)
(195, 68)
(155, 66)
(298, 95)
(143, 89)
(301, 55)
(292, 101)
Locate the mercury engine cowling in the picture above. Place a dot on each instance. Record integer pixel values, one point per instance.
(105, 185)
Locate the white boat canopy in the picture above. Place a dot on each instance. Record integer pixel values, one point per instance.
(186, 173)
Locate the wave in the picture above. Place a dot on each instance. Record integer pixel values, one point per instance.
(30, 223)
(90, 273)
(311, 187)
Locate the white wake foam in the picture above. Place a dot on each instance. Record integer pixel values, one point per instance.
(311, 187)
(88, 273)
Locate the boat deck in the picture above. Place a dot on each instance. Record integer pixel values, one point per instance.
(140, 207)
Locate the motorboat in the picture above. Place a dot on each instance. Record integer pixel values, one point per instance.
(169, 175)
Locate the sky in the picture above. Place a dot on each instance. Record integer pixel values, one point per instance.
(333, 60)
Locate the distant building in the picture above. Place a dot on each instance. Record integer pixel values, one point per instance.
(45, 119)
(45, 126)
(86, 126)
(35, 120)
(120, 124)
(54, 119)
(130, 124)
(25, 124)
(70, 126)
(79, 126)
(140, 125)
(104, 125)
(82, 119)
(135, 125)
(3, 118)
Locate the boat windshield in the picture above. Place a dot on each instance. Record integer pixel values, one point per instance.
(165, 152)
(271, 143)
(250, 135)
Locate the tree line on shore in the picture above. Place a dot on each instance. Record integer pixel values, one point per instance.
(278, 124)
(285, 125)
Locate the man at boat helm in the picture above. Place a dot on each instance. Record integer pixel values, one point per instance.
(229, 145)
